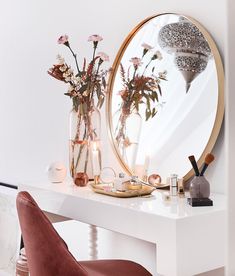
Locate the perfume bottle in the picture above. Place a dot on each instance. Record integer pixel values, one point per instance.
(173, 185)
(119, 181)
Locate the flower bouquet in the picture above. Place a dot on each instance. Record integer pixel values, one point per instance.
(141, 87)
(87, 90)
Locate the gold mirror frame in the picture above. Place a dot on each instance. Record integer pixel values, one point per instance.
(220, 77)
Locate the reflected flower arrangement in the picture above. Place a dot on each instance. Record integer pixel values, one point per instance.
(141, 86)
(141, 82)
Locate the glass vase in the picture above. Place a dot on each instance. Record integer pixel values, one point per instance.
(84, 133)
(199, 187)
(127, 133)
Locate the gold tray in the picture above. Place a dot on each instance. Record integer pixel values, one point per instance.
(100, 189)
(161, 186)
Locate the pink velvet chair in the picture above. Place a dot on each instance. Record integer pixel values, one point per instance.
(48, 254)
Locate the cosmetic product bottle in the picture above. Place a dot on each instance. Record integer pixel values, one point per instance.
(181, 187)
(133, 183)
(173, 185)
(199, 187)
(118, 182)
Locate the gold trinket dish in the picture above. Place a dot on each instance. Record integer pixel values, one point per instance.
(110, 191)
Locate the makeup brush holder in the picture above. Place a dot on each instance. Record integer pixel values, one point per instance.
(199, 187)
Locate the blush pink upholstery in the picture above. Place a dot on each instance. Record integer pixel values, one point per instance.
(48, 254)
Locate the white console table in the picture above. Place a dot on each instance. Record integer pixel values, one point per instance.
(189, 240)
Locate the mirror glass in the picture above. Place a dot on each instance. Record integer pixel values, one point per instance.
(165, 101)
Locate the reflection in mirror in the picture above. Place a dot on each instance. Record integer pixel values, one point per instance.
(154, 123)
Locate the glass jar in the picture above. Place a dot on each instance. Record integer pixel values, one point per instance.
(84, 130)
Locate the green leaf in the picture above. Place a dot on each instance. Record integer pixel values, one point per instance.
(100, 102)
(154, 112)
(98, 90)
(152, 97)
(160, 90)
(136, 104)
(104, 82)
(148, 113)
(67, 94)
(155, 95)
(83, 88)
(148, 102)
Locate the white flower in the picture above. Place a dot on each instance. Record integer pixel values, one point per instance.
(67, 79)
(67, 76)
(159, 55)
(162, 75)
(70, 71)
(103, 56)
(95, 38)
(76, 79)
(146, 46)
(63, 68)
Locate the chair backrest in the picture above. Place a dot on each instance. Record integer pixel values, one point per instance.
(46, 252)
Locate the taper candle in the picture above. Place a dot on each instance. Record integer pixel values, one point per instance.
(95, 159)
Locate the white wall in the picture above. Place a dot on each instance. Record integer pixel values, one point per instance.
(33, 109)
(230, 140)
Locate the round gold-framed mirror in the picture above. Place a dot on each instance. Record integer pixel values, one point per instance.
(166, 96)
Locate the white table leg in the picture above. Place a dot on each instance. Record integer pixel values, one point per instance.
(93, 251)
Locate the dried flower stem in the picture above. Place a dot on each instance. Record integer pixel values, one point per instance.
(75, 57)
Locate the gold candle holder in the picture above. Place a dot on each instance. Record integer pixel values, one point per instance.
(97, 179)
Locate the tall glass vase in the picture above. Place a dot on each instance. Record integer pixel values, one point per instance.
(84, 133)
(127, 133)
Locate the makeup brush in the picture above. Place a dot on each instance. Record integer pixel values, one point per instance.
(194, 164)
(208, 159)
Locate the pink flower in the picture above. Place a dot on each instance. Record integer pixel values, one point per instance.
(95, 38)
(63, 39)
(103, 56)
(146, 46)
(136, 61)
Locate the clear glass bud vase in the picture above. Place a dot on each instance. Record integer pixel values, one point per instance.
(127, 134)
(84, 132)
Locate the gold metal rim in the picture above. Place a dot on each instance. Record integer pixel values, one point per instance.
(220, 106)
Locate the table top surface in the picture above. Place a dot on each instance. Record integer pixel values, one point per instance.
(176, 208)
